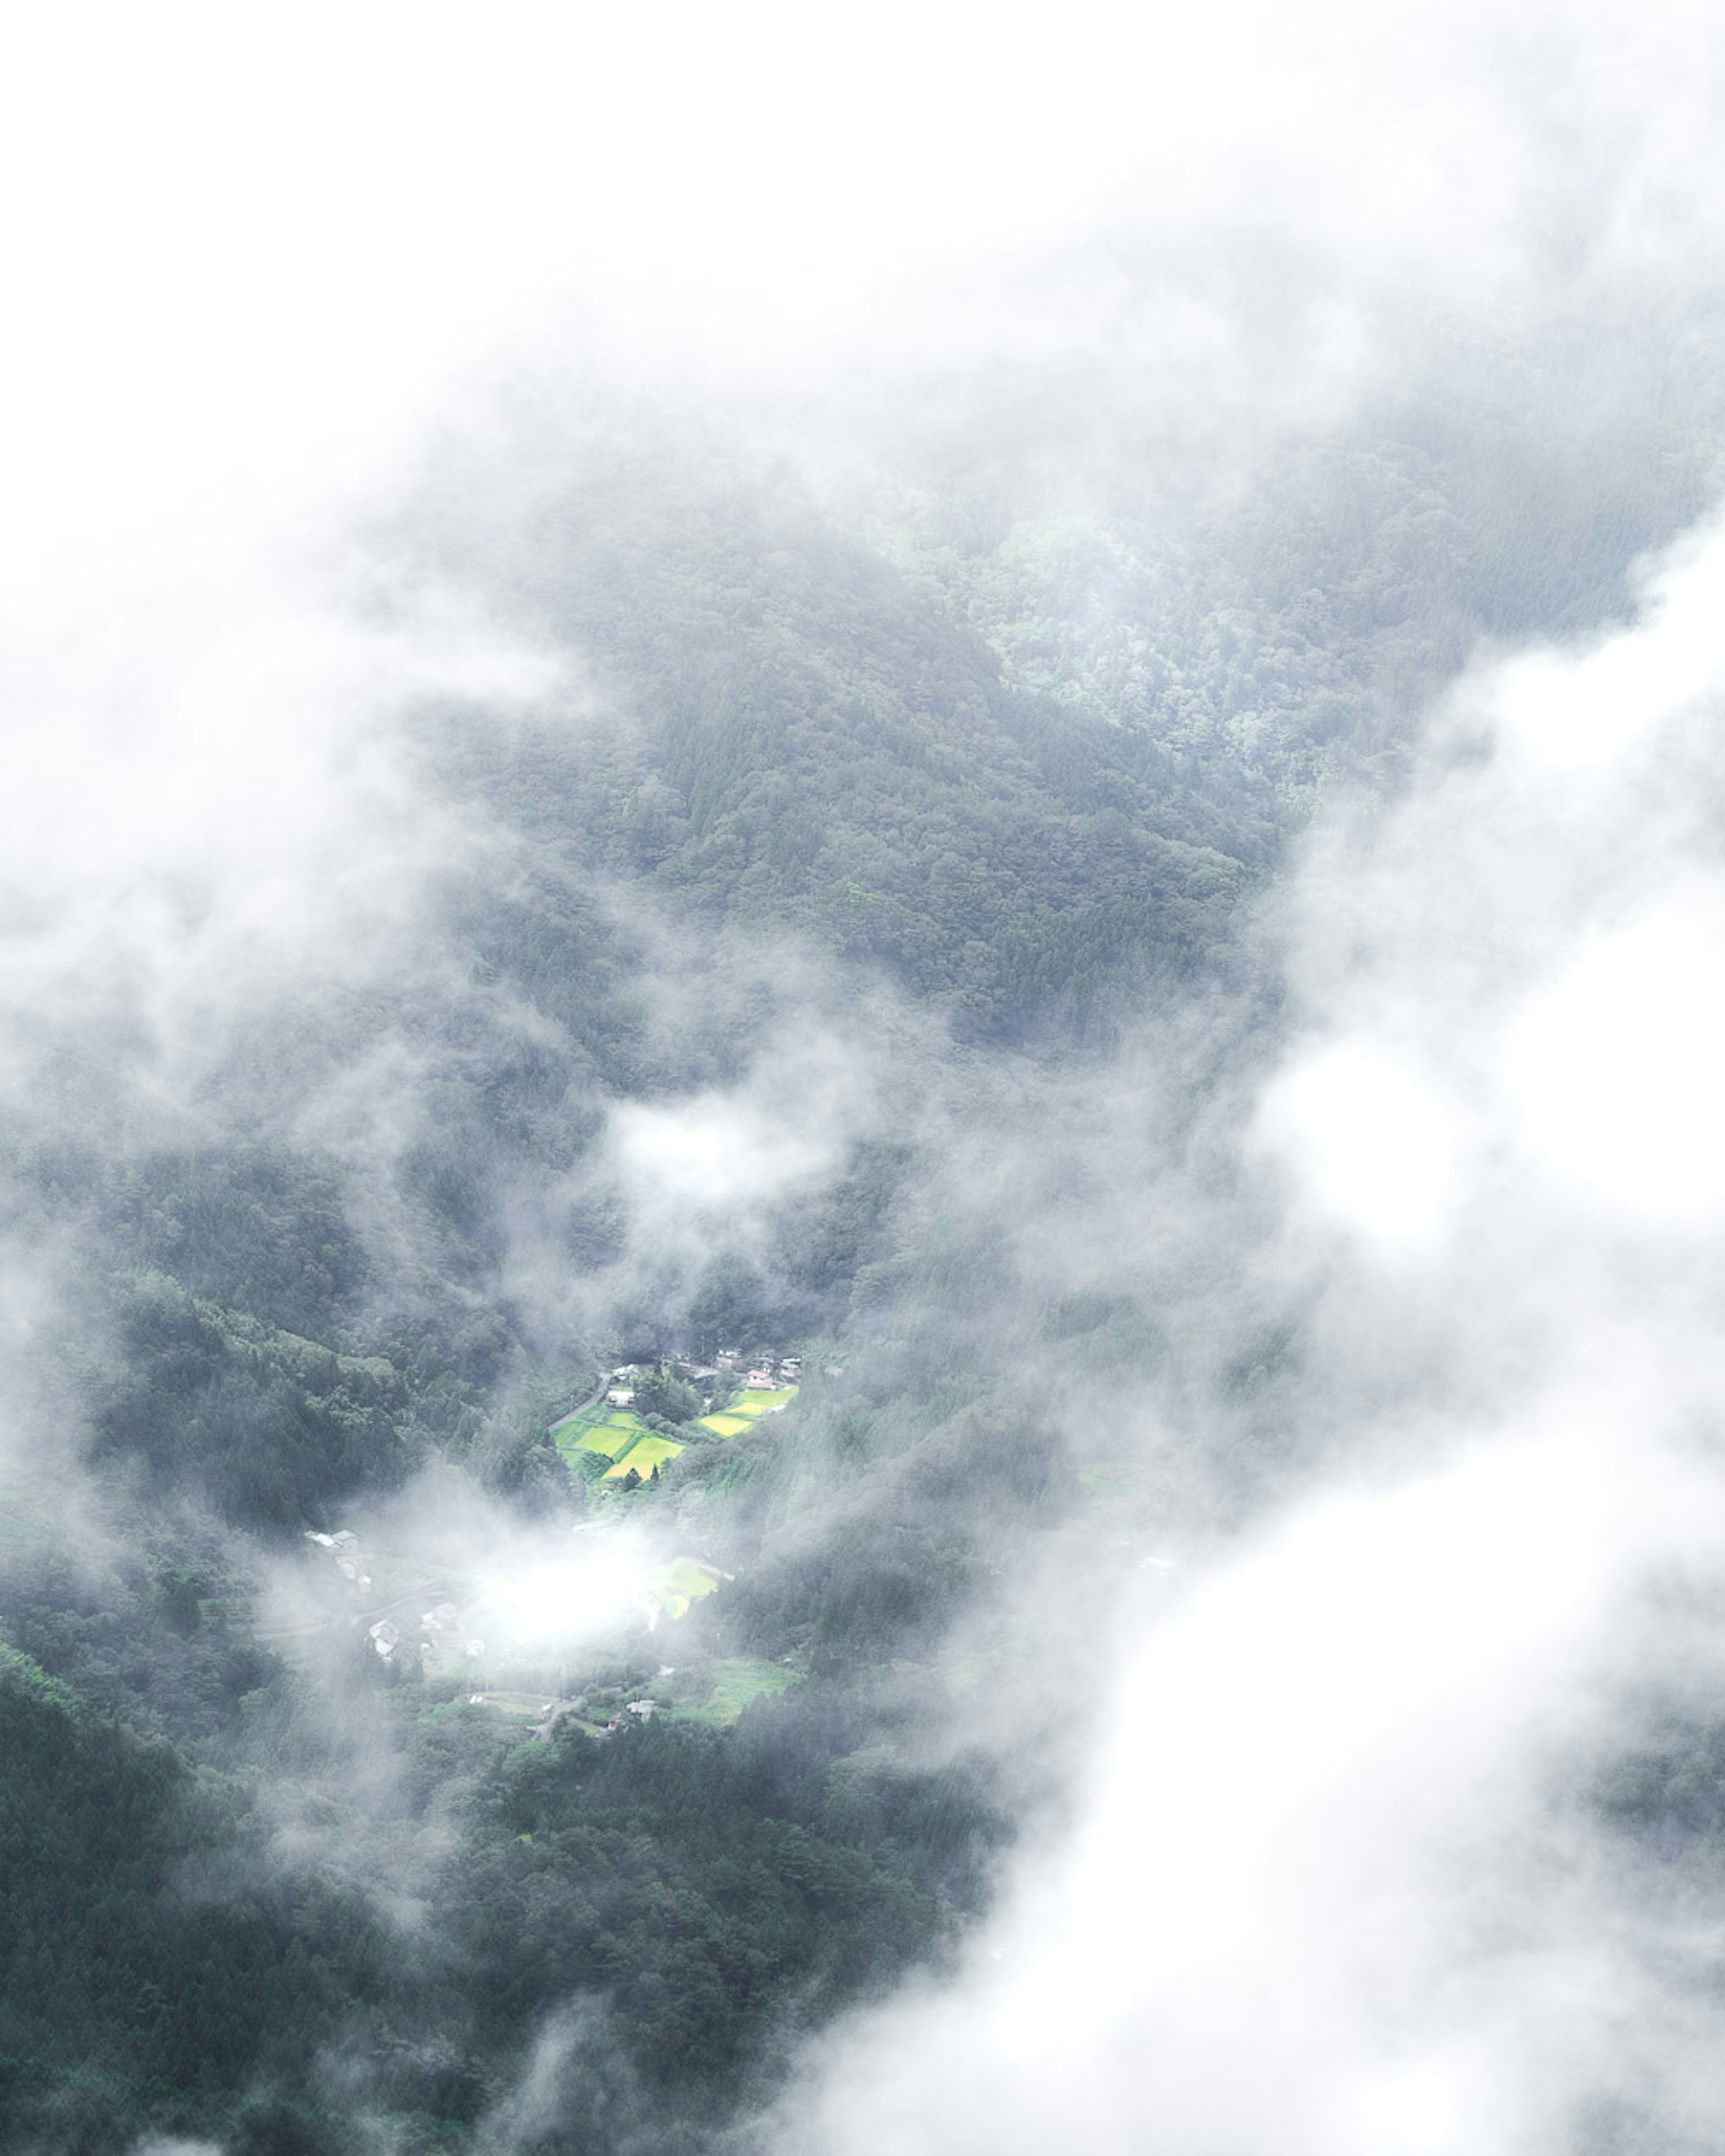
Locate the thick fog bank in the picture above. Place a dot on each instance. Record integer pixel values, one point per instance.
(1373, 1852)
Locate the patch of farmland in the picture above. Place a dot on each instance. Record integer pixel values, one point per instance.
(760, 1404)
(648, 1452)
(729, 1424)
(736, 1684)
(610, 1438)
(685, 1580)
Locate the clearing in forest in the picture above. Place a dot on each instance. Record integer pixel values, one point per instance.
(725, 1424)
(736, 1683)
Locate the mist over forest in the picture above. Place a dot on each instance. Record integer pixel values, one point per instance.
(861, 942)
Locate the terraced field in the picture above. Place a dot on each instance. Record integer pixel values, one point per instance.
(743, 1413)
(609, 1432)
(648, 1452)
(619, 1435)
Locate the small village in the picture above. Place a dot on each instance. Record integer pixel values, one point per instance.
(767, 1374)
(618, 1424)
(448, 1629)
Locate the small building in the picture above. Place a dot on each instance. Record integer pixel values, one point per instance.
(646, 1708)
(621, 1396)
(384, 1636)
(759, 1381)
(726, 1358)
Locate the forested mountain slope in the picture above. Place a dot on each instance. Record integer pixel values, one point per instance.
(781, 730)
(995, 800)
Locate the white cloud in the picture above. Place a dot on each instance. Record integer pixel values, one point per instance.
(1333, 1884)
(713, 1151)
(210, 806)
(1380, 1146)
(1616, 1074)
(1585, 711)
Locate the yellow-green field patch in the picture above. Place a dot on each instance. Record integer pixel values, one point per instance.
(644, 1456)
(757, 1403)
(607, 1433)
(611, 1439)
(683, 1580)
(736, 1683)
(689, 1576)
(728, 1424)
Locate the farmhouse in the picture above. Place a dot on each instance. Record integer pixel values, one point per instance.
(621, 1396)
(759, 1381)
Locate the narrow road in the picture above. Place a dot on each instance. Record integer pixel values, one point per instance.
(592, 1400)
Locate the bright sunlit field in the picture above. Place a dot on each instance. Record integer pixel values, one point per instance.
(685, 1580)
(648, 1452)
(610, 1438)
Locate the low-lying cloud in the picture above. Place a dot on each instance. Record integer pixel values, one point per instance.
(1338, 1878)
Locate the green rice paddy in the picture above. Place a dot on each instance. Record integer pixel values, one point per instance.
(648, 1452)
(607, 1432)
(619, 1435)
